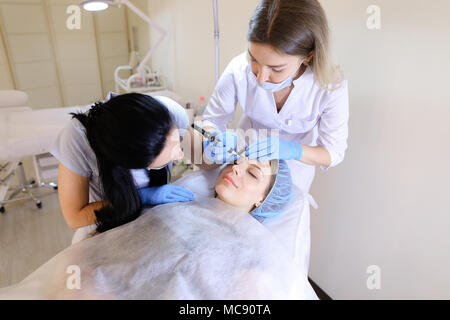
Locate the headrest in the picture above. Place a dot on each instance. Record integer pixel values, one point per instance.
(13, 98)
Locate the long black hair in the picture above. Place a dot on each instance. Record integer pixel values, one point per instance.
(126, 132)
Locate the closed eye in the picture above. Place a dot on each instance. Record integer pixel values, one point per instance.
(252, 169)
(256, 176)
(252, 174)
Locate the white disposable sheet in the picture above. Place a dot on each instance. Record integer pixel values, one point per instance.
(291, 228)
(204, 249)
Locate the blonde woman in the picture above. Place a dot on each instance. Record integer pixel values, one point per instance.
(285, 81)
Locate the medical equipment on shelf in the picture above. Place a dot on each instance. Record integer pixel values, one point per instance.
(149, 81)
(28, 133)
(195, 109)
(144, 80)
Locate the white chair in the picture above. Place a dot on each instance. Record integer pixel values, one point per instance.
(13, 105)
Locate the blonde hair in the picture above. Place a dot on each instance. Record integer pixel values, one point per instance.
(297, 27)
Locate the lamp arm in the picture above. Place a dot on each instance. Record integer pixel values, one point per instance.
(141, 68)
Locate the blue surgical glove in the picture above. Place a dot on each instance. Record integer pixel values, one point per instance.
(165, 194)
(217, 151)
(274, 148)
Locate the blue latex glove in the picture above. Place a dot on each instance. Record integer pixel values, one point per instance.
(274, 148)
(217, 151)
(165, 194)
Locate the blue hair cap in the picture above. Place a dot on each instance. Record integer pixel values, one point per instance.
(279, 195)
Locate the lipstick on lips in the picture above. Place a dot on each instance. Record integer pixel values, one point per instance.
(227, 178)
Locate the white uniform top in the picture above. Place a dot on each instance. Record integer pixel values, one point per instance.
(311, 115)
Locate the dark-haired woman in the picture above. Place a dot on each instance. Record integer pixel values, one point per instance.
(285, 81)
(116, 158)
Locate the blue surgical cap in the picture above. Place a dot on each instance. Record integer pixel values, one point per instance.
(279, 195)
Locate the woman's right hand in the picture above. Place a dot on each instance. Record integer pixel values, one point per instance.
(217, 151)
(165, 194)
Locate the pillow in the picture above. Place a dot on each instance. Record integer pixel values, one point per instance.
(13, 98)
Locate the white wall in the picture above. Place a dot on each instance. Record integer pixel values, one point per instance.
(111, 27)
(6, 81)
(385, 205)
(186, 57)
(58, 66)
(26, 33)
(76, 52)
(143, 33)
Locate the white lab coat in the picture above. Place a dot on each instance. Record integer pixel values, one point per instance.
(311, 116)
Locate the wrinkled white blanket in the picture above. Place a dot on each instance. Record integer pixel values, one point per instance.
(204, 249)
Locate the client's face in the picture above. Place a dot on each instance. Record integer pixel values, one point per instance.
(244, 184)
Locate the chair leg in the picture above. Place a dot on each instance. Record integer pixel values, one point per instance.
(39, 168)
(24, 188)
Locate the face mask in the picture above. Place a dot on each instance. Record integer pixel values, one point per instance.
(274, 87)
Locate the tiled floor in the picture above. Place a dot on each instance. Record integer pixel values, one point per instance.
(30, 236)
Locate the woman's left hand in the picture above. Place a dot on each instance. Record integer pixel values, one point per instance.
(274, 148)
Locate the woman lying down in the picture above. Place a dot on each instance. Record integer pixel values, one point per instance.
(209, 248)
